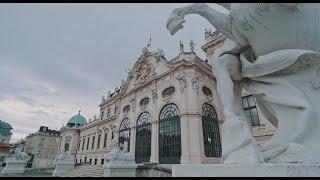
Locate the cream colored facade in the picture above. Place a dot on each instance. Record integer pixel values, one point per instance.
(150, 76)
(43, 145)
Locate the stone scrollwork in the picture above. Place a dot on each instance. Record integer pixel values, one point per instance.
(154, 95)
(183, 82)
(195, 82)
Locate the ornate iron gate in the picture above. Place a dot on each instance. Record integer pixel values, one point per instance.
(211, 134)
(169, 135)
(143, 138)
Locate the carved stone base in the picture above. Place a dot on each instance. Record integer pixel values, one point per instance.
(14, 167)
(119, 170)
(62, 167)
(258, 170)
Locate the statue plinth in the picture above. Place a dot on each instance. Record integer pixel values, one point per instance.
(250, 170)
(119, 163)
(14, 166)
(120, 169)
(65, 162)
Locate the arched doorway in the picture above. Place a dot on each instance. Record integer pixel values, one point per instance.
(124, 132)
(143, 138)
(210, 128)
(169, 135)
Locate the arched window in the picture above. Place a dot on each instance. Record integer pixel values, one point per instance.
(67, 143)
(143, 138)
(169, 110)
(169, 135)
(211, 134)
(124, 132)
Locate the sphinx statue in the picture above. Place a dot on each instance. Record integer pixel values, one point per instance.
(119, 153)
(276, 58)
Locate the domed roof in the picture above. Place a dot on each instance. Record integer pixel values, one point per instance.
(5, 125)
(77, 120)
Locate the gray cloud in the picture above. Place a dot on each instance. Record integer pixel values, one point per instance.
(58, 58)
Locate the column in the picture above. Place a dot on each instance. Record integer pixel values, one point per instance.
(109, 136)
(154, 158)
(191, 128)
(132, 139)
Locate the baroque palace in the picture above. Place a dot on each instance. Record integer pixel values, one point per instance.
(167, 111)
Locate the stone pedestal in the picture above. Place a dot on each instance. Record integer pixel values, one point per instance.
(62, 166)
(14, 167)
(119, 170)
(258, 170)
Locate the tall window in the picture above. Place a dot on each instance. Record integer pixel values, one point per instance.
(124, 133)
(105, 140)
(169, 135)
(250, 109)
(143, 138)
(115, 110)
(108, 112)
(92, 145)
(102, 115)
(67, 144)
(210, 129)
(112, 134)
(98, 145)
(78, 145)
(88, 143)
(83, 143)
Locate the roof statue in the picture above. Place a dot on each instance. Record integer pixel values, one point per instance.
(181, 47)
(192, 44)
(279, 63)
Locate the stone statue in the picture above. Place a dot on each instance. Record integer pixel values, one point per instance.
(159, 53)
(116, 155)
(145, 50)
(119, 162)
(18, 154)
(63, 163)
(276, 58)
(181, 47)
(16, 162)
(192, 44)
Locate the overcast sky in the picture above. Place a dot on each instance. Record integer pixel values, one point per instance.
(57, 59)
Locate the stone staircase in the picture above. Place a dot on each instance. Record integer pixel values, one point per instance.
(84, 171)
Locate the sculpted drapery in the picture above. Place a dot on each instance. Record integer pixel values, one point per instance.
(277, 60)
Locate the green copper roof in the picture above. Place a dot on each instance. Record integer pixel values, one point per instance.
(77, 119)
(5, 128)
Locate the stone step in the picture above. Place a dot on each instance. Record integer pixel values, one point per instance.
(84, 171)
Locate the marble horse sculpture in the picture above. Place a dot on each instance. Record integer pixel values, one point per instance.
(276, 58)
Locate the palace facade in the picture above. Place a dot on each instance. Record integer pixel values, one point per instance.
(43, 147)
(167, 111)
